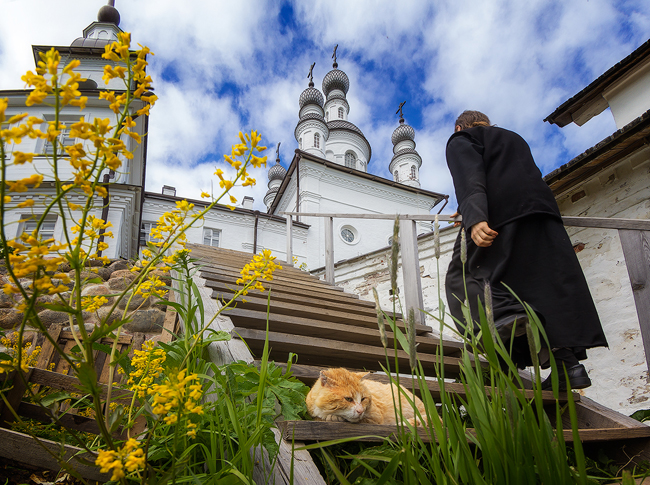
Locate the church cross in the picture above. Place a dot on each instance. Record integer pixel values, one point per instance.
(311, 74)
(399, 110)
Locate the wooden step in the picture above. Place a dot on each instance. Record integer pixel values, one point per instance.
(321, 351)
(308, 374)
(364, 331)
(296, 297)
(322, 431)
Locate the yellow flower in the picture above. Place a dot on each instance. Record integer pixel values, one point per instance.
(205, 195)
(20, 157)
(233, 199)
(26, 203)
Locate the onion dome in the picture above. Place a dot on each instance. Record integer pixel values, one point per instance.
(402, 132)
(277, 171)
(109, 14)
(311, 95)
(335, 79)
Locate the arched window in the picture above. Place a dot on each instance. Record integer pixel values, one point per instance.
(396, 176)
(327, 116)
(316, 140)
(350, 160)
(300, 143)
(413, 177)
(340, 113)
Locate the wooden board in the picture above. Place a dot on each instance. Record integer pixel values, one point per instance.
(24, 449)
(323, 431)
(319, 351)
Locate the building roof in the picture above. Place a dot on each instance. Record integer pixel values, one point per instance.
(564, 114)
(615, 147)
(299, 154)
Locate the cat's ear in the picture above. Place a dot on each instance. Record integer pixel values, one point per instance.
(323, 378)
(361, 375)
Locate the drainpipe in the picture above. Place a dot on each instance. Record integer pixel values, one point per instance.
(107, 177)
(257, 218)
(298, 188)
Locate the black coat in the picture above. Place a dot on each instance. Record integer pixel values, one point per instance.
(497, 181)
(495, 177)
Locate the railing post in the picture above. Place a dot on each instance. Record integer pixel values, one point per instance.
(289, 240)
(636, 250)
(411, 270)
(329, 249)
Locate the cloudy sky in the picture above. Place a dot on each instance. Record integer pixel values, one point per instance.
(221, 66)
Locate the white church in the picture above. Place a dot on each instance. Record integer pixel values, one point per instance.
(328, 173)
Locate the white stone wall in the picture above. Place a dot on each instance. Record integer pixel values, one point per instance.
(629, 97)
(619, 374)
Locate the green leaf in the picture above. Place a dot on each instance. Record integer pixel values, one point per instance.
(50, 399)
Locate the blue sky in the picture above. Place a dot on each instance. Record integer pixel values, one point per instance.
(222, 66)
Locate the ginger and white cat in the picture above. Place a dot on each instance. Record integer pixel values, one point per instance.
(341, 395)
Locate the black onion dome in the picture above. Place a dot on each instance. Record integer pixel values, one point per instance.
(311, 96)
(402, 132)
(109, 14)
(277, 171)
(335, 79)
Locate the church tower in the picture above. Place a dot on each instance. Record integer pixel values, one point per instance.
(406, 162)
(276, 174)
(346, 144)
(311, 131)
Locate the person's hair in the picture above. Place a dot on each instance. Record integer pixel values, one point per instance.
(470, 119)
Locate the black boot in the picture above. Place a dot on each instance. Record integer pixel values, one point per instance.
(578, 377)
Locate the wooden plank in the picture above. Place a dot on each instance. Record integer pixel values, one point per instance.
(14, 396)
(289, 225)
(71, 384)
(323, 431)
(320, 351)
(124, 338)
(24, 449)
(242, 317)
(329, 250)
(607, 222)
(67, 420)
(169, 324)
(225, 291)
(636, 249)
(47, 350)
(413, 301)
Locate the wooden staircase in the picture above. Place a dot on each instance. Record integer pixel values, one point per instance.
(327, 327)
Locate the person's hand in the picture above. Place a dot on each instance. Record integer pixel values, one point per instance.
(482, 235)
(456, 214)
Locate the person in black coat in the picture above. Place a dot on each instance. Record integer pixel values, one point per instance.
(516, 238)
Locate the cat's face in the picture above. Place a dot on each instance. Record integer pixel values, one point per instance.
(343, 395)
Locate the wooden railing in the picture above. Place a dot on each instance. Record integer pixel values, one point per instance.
(634, 235)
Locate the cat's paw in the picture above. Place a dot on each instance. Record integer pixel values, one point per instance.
(334, 418)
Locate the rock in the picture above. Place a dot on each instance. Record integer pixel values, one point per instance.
(64, 267)
(137, 302)
(120, 264)
(94, 263)
(99, 290)
(6, 301)
(120, 279)
(10, 318)
(85, 276)
(104, 315)
(50, 317)
(88, 326)
(104, 273)
(149, 320)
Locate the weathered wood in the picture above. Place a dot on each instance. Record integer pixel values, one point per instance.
(607, 222)
(25, 449)
(47, 350)
(67, 420)
(323, 431)
(636, 249)
(71, 384)
(329, 250)
(320, 351)
(169, 324)
(14, 396)
(413, 300)
(289, 241)
(297, 298)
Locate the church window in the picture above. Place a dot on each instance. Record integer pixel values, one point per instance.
(46, 231)
(145, 233)
(327, 116)
(350, 160)
(300, 143)
(316, 140)
(64, 139)
(413, 177)
(211, 237)
(340, 113)
(349, 234)
(396, 176)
